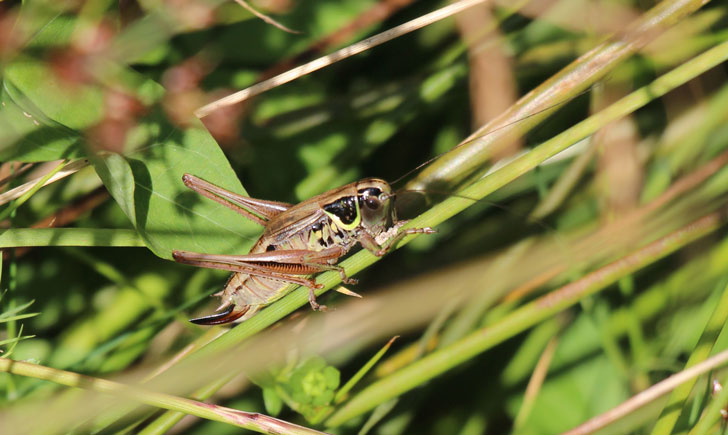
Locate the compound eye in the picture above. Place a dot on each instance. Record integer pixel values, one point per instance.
(372, 203)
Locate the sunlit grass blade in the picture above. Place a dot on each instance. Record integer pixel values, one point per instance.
(13, 342)
(521, 319)
(25, 196)
(344, 390)
(474, 152)
(480, 189)
(13, 313)
(255, 422)
(560, 320)
(25, 237)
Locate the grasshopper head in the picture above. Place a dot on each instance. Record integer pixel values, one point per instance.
(375, 199)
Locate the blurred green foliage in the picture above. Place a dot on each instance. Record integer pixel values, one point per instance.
(116, 85)
(308, 387)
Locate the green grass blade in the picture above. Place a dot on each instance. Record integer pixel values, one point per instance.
(344, 390)
(26, 196)
(480, 189)
(25, 237)
(673, 408)
(254, 422)
(523, 318)
(464, 161)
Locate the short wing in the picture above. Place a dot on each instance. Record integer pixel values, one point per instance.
(304, 214)
(293, 221)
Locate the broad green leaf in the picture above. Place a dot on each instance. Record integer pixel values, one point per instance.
(75, 105)
(147, 181)
(40, 116)
(48, 23)
(148, 186)
(115, 171)
(27, 135)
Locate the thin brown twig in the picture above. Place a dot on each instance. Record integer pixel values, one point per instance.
(70, 169)
(536, 381)
(641, 399)
(248, 420)
(377, 13)
(265, 18)
(338, 55)
(21, 170)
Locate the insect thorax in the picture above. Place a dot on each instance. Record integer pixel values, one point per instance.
(326, 233)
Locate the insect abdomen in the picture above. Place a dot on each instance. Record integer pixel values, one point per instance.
(250, 292)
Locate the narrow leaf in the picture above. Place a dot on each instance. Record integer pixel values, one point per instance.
(341, 394)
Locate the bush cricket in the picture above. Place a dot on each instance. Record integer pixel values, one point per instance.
(302, 239)
(298, 241)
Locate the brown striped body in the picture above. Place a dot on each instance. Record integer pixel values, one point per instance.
(254, 292)
(297, 242)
